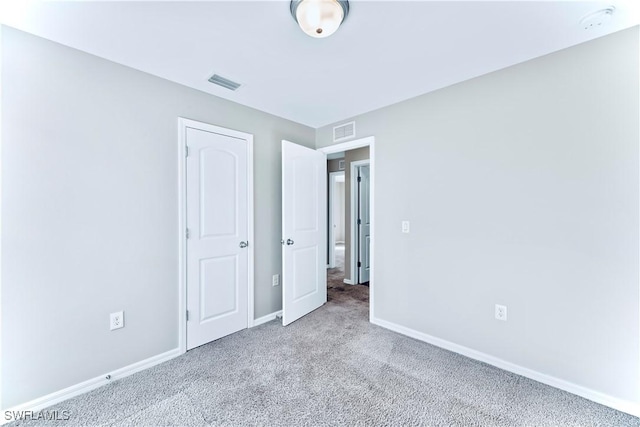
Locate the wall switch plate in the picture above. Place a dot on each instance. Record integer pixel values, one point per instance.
(501, 312)
(275, 280)
(116, 320)
(405, 226)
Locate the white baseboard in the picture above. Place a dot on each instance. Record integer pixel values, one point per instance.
(91, 384)
(348, 281)
(629, 407)
(267, 318)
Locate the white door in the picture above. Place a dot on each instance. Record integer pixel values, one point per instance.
(364, 225)
(304, 222)
(217, 222)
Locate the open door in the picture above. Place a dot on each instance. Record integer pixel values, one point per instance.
(304, 222)
(364, 225)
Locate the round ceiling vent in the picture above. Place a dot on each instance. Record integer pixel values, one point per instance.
(597, 19)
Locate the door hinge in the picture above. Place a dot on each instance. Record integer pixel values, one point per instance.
(359, 179)
(187, 233)
(359, 264)
(187, 315)
(186, 151)
(359, 221)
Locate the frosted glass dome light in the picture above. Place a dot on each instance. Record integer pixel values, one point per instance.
(319, 18)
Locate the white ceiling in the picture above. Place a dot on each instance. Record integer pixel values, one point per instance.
(385, 52)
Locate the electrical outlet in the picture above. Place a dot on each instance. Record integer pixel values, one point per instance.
(275, 280)
(405, 226)
(116, 320)
(501, 312)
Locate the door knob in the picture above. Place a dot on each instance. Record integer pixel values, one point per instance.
(289, 242)
(244, 244)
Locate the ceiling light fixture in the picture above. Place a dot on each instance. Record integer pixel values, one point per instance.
(319, 18)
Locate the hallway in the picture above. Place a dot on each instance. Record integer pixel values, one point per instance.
(339, 291)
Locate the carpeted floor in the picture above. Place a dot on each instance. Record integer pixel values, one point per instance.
(332, 367)
(337, 290)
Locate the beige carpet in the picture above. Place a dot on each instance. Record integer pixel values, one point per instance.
(332, 367)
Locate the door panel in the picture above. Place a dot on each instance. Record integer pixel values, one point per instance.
(216, 166)
(218, 294)
(305, 214)
(304, 222)
(217, 219)
(305, 260)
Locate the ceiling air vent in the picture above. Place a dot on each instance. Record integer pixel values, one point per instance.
(344, 131)
(225, 83)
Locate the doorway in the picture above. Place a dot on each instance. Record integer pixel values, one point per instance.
(305, 227)
(356, 223)
(336, 225)
(351, 268)
(336, 209)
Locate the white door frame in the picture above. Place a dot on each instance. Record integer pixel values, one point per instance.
(332, 232)
(183, 124)
(355, 204)
(351, 145)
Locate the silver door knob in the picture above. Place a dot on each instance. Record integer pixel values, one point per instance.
(289, 242)
(244, 244)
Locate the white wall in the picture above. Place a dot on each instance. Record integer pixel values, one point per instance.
(522, 189)
(89, 211)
